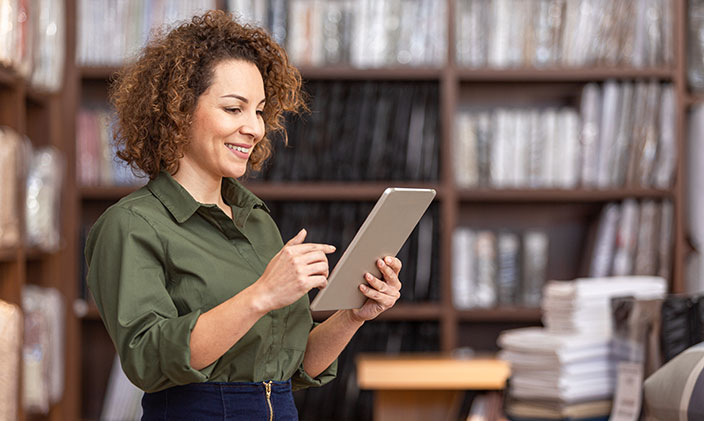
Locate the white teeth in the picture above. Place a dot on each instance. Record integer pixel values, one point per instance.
(237, 148)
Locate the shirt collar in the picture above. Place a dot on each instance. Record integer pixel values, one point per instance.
(182, 205)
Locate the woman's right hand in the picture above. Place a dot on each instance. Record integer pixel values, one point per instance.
(296, 269)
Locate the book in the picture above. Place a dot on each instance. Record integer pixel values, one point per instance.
(110, 34)
(399, 140)
(97, 163)
(463, 268)
(362, 34)
(561, 33)
(507, 280)
(535, 262)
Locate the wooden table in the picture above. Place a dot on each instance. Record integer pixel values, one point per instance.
(426, 387)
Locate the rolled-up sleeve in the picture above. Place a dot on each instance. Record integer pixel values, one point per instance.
(126, 275)
(302, 380)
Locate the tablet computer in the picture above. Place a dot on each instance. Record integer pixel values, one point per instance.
(386, 228)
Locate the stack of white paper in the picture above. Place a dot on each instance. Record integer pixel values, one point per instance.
(584, 305)
(562, 367)
(569, 362)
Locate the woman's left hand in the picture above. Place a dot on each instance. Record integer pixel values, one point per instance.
(381, 294)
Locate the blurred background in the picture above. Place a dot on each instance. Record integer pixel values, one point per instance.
(563, 138)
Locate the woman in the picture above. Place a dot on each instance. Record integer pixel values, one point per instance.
(208, 309)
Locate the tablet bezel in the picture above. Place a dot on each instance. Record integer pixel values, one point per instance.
(342, 291)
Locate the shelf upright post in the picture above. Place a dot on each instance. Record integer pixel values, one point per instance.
(449, 203)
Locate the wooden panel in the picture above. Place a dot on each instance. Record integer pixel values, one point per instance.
(417, 405)
(485, 95)
(501, 314)
(564, 74)
(560, 195)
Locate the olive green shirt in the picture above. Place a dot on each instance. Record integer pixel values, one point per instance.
(158, 259)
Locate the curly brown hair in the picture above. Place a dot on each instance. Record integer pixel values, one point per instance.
(155, 97)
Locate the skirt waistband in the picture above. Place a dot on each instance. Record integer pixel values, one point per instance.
(276, 386)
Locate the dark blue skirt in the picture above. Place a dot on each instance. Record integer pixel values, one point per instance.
(221, 401)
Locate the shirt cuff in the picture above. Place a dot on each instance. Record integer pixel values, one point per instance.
(175, 353)
(302, 380)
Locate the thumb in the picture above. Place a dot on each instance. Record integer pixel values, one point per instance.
(298, 239)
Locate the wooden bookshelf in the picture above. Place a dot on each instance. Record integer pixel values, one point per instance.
(559, 195)
(455, 204)
(566, 74)
(38, 115)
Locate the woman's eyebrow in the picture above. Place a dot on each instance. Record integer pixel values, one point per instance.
(241, 98)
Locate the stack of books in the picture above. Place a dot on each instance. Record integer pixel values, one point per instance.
(623, 136)
(566, 370)
(498, 268)
(398, 140)
(634, 238)
(43, 198)
(584, 305)
(695, 44)
(97, 163)
(564, 33)
(110, 33)
(357, 33)
(13, 157)
(43, 348)
(32, 41)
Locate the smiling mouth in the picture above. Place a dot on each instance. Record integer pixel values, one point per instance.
(238, 148)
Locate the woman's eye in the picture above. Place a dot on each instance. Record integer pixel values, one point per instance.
(260, 113)
(232, 110)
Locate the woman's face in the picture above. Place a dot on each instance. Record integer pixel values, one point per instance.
(227, 121)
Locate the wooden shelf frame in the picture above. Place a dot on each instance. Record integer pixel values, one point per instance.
(563, 74)
(451, 78)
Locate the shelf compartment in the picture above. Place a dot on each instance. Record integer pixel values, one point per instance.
(500, 314)
(8, 254)
(562, 74)
(38, 96)
(559, 195)
(8, 77)
(401, 312)
(98, 72)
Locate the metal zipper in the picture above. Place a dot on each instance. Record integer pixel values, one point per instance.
(267, 387)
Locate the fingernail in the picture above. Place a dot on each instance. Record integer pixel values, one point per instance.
(363, 287)
(381, 262)
(368, 276)
(388, 259)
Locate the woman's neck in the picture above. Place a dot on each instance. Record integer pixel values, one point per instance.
(203, 187)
